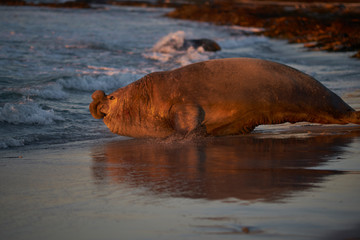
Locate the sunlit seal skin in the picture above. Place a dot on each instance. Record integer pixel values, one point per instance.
(219, 97)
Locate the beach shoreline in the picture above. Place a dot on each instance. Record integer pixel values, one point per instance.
(321, 25)
(333, 26)
(252, 185)
(70, 177)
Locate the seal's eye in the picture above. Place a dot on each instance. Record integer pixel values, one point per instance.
(112, 98)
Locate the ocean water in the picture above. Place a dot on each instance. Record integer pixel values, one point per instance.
(51, 60)
(64, 175)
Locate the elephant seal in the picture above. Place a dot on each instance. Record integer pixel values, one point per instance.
(219, 97)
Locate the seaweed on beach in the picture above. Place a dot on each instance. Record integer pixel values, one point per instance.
(331, 26)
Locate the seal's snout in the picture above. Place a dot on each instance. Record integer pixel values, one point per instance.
(97, 95)
(95, 106)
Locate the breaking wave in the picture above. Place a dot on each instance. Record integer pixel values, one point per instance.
(170, 43)
(171, 48)
(13, 142)
(50, 91)
(104, 78)
(90, 83)
(27, 112)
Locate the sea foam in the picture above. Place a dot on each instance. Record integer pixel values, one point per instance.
(27, 112)
(9, 142)
(170, 43)
(170, 48)
(103, 78)
(49, 91)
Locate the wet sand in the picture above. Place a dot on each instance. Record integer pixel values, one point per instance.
(280, 182)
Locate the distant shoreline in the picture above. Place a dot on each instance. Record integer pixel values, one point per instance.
(68, 4)
(328, 26)
(331, 27)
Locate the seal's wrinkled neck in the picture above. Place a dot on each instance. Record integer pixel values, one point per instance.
(131, 114)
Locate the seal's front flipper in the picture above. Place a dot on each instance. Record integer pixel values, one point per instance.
(187, 119)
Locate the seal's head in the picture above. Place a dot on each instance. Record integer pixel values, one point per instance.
(101, 105)
(120, 113)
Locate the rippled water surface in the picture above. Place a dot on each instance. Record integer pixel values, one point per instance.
(53, 59)
(64, 175)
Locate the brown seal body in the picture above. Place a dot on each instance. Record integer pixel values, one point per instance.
(219, 97)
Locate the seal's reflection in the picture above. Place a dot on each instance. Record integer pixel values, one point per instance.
(246, 168)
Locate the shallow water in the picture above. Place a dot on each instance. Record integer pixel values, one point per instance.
(64, 175)
(253, 187)
(53, 59)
